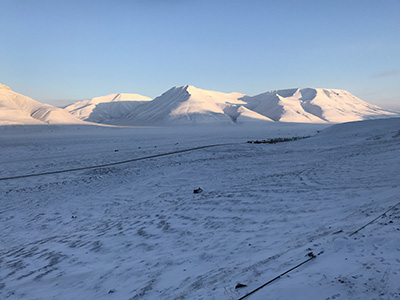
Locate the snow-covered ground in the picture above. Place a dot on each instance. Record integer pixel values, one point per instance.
(137, 230)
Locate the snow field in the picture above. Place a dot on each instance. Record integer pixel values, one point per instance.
(137, 231)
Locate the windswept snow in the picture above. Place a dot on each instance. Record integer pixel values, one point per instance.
(17, 109)
(137, 230)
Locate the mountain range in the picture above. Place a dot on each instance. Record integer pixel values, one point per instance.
(190, 105)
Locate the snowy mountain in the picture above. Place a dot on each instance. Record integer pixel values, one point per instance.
(191, 105)
(17, 109)
(187, 105)
(106, 109)
(309, 105)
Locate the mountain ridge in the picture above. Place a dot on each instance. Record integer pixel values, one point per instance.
(183, 105)
(105, 108)
(17, 109)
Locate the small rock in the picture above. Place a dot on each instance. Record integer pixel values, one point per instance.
(197, 191)
(240, 285)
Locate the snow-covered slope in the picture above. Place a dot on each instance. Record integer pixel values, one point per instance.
(106, 109)
(310, 105)
(186, 104)
(137, 231)
(17, 109)
(242, 115)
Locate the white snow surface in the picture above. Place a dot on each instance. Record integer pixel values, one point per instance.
(106, 109)
(137, 230)
(17, 109)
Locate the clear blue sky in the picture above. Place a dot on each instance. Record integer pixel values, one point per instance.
(59, 51)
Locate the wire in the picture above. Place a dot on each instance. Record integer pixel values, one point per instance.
(312, 256)
(116, 163)
(381, 215)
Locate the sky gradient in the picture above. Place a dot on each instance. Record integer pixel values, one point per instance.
(62, 51)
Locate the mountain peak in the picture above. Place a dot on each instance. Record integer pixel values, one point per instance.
(17, 109)
(184, 88)
(4, 87)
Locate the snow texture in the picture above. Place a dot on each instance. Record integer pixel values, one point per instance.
(137, 230)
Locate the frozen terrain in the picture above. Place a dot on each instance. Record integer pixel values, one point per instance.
(137, 230)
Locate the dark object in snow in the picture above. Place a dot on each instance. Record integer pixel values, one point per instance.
(310, 254)
(111, 291)
(116, 150)
(277, 140)
(197, 191)
(240, 285)
(336, 232)
(73, 217)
